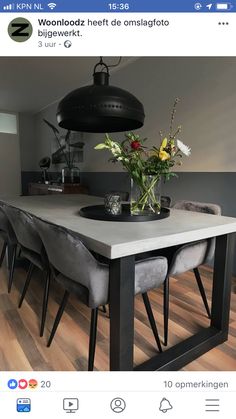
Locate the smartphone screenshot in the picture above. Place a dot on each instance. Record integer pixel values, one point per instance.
(117, 209)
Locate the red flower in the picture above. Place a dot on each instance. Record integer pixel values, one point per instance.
(135, 145)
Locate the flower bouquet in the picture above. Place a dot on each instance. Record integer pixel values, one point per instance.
(147, 166)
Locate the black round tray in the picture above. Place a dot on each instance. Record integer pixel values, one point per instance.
(97, 212)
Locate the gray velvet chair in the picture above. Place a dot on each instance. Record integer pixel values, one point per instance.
(32, 249)
(189, 257)
(78, 272)
(9, 244)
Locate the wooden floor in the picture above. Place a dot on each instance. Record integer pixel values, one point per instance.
(21, 348)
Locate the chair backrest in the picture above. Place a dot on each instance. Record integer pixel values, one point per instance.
(206, 208)
(24, 228)
(198, 207)
(3, 221)
(165, 201)
(68, 255)
(6, 227)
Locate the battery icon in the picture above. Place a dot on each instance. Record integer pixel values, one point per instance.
(222, 7)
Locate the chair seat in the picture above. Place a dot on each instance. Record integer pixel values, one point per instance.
(167, 252)
(188, 257)
(149, 274)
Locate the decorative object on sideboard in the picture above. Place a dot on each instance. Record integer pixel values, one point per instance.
(44, 164)
(70, 174)
(68, 149)
(147, 166)
(100, 107)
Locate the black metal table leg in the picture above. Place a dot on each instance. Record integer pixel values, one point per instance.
(221, 291)
(122, 313)
(208, 338)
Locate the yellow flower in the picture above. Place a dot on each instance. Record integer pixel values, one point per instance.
(163, 144)
(163, 155)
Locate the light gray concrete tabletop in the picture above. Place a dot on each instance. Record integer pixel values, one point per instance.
(118, 239)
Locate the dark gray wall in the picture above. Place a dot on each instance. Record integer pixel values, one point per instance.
(211, 187)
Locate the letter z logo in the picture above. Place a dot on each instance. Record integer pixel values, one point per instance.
(20, 29)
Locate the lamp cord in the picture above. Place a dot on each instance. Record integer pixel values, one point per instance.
(114, 65)
(105, 66)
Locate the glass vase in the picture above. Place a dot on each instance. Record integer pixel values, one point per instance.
(70, 175)
(145, 197)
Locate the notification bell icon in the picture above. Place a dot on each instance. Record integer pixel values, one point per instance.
(165, 405)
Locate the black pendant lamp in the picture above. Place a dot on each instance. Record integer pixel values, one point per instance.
(100, 107)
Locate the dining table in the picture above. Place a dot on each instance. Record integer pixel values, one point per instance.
(120, 242)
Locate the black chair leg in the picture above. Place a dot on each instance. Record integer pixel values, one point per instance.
(45, 302)
(166, 310)
(10, 248)
(19, 253)
(92, 338)
(202, 291)
(103, 309)
(27, 282)
(12, 268)
(3, 253)
(151, 320)
(58, 317)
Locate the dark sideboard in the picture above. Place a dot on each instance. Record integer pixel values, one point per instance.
(56, 188)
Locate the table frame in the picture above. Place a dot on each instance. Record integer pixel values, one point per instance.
(122, 315)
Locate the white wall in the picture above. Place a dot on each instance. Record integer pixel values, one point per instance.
(207, 111)
(10, 168)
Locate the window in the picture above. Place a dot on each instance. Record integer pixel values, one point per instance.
(8, 123)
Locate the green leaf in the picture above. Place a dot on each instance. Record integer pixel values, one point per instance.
(107, 137)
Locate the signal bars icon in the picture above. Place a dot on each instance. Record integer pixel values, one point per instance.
(9, 7)
(51, 5)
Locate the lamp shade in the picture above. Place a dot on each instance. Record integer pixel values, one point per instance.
(100, 107)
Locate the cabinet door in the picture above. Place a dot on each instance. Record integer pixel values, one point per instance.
(37, 189)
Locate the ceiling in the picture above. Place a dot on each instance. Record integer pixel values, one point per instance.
(31, 84)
